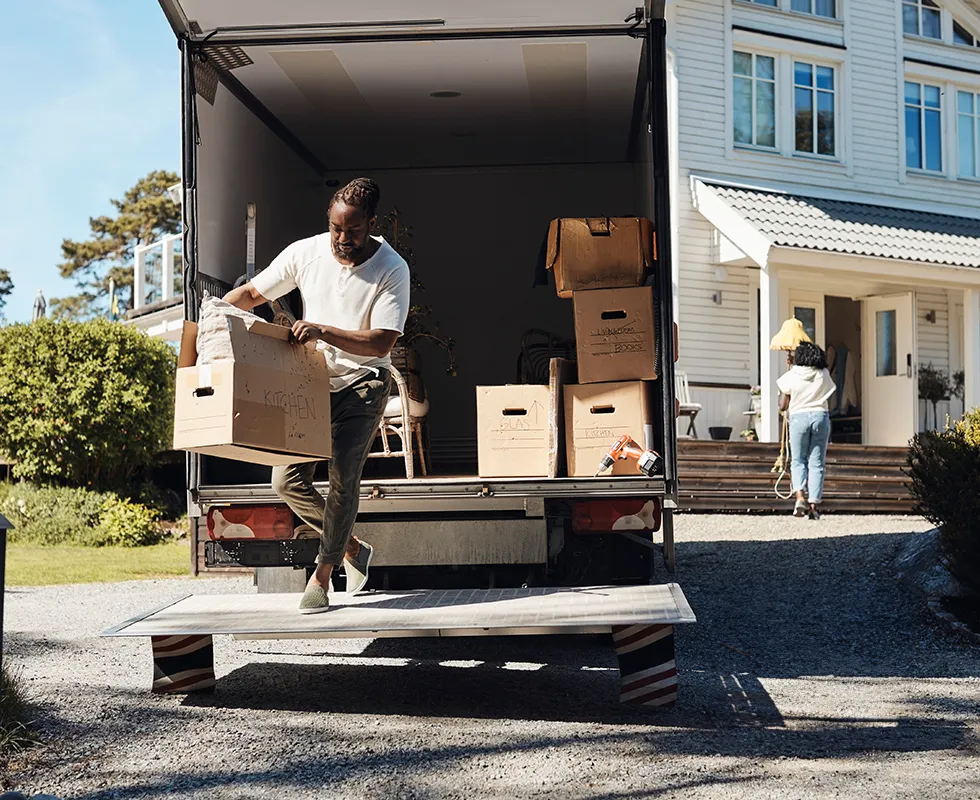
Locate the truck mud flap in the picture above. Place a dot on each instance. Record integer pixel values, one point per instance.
(261, 553)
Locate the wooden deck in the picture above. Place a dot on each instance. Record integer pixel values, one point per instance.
(736, 476)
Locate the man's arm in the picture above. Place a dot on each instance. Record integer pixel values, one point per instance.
(376, 342)
(245, 297)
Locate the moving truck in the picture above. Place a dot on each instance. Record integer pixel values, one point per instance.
(481, 122)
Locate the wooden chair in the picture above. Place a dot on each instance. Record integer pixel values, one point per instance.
(688, 408)
(406, 414)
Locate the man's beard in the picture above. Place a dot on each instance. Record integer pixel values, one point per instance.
(348, 253)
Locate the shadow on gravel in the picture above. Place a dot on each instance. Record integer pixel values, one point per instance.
(811, 607)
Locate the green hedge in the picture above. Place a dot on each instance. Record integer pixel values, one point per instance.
(55, 515)
(944, 467)
(84, 403)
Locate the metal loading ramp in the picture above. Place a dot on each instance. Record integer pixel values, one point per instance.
(640, 619)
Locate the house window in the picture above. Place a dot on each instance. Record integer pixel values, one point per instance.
(886, 344)
(754, 99)
(923, 127)
(819, 8)
(962, 36)
(770, 3)
(814, 109)
(968, 133)
(922, 18)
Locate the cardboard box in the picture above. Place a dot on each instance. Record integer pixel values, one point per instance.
(519, 428)
(615, 335)
(600, 253)
(270, 405)
(597, 415)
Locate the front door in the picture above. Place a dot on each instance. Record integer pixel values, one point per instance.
(890, 392)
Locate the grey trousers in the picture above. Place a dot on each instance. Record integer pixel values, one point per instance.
(355, 415)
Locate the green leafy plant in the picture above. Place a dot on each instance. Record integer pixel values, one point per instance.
(16, 729)
(944, 471)
(50, 515)
(53, 515)
(84, 403)
(421, 324)
(125, 523)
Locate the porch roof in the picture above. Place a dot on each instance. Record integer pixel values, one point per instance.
(789, 220)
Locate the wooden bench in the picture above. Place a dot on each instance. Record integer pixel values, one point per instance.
(640, 620)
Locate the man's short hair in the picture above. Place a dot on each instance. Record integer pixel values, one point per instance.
(362, 193)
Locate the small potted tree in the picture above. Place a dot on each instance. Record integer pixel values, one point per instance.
(934, 386)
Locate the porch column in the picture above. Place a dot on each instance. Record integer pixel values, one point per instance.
(769, 360)
(971, 349)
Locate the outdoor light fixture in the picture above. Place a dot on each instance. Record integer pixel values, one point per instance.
(931, 316)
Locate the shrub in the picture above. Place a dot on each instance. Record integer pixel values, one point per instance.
(83, 403)
(16, 729)
(50, 515)
(59, 515)
(944, 467)
(125, 523)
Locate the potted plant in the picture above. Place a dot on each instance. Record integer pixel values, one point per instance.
(421, 324)
(934, 386)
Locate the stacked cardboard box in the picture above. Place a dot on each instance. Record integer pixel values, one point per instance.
(604, 264)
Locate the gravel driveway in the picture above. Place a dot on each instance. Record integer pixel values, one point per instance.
(811, 673)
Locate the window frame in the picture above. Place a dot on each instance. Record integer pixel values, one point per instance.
(947, 20)
(950, 82)
(815, 63)
(943, 148)
(786, 7)
(786, 53)
(755, 54)
(975, 117)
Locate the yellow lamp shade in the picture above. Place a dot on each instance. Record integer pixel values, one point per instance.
(789, 336)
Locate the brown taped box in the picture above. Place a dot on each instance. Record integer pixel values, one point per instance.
(270, 405)
(600, 253)
(615, 336)
(597, 415)
(519, 431)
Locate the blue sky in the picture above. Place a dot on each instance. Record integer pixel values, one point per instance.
(90, 92)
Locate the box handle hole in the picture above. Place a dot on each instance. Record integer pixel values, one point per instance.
(515, 412)
(204, 391)
(603, 409)
(614, 315)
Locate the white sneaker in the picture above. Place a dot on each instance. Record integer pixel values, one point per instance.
(357, 568)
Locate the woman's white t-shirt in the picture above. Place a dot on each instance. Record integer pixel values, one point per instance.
(371, 296)
(808, 388)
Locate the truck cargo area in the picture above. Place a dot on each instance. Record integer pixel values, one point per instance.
(477, 141)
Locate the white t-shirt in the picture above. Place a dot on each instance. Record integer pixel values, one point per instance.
(808, 388)
(371, 296)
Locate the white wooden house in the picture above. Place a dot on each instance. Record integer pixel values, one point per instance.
(860, 219)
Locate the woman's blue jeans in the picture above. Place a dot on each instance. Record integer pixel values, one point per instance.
(809, 433)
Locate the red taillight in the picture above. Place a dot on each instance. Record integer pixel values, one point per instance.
(609, 516)
(250, 522)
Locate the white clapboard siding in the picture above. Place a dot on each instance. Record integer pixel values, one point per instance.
(715, 339)
(871, 107)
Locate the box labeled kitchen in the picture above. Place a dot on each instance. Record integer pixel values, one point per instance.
(597, 415)
(268, 404)
(615, 335)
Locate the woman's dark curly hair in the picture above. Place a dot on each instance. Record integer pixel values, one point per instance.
(810, 355)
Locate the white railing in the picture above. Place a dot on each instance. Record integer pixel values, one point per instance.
(158, 271)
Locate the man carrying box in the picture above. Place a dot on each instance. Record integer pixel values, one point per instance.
(355, 291)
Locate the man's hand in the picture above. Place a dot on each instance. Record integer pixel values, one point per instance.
(304, 331)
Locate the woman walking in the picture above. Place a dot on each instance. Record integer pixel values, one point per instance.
(806, 388)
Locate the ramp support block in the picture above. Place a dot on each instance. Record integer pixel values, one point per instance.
(647, 670)
(182, 664)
